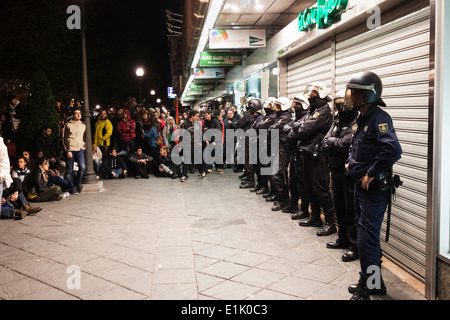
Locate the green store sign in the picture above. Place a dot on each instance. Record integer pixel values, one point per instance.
(220, 59)
(201, 87)
(324, 15)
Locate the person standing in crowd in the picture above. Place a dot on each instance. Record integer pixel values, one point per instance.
(127, 132)
(189, 125)
(150, 133)
(47, 144)
(212, 122)
(103, 132)
(168, 133)
(336, 146)
(229, 124)
(374, 151)
(236, 113)
(74, 142)
(14, 116)
(283, 107)
(315, 171)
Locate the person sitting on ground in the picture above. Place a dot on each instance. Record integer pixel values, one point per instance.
(21, 170)
(113, 166)
(13, 197)
(141, 163)
(30, 161)
(40, 187)
(166, 168)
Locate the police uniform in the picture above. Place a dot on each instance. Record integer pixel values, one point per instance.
(315, 171)
(374, 151)
(336, 145)
(279, 179)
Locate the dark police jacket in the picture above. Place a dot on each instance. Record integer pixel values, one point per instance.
(314, 127)
(284, 117)
(375, 147)
(336, 143)
(292, 136)
(245, 123)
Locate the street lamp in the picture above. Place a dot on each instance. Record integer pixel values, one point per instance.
(140, 73)
(152, 92)
(158, 100)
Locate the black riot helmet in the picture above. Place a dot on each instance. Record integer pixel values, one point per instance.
(254, 105)
(366, 86)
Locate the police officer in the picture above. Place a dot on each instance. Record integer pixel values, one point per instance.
(336, 145)
(280, 179)
(374, 151)
(246, 123)
(270, 119)
(296, 183)
(315, 171)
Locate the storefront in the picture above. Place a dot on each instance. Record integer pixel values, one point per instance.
(396, 40)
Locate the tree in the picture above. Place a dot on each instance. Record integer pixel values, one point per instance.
(41, 110)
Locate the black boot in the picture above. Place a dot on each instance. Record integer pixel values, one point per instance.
(272, 198)
(280, 205)
(256, 188)
(263, 190)
(310, 223)
(361, 290)
(243, 176)
(328, 229)
(248, 185)
(292, 208)
(300, 215)
(267, 195)
(376, 292)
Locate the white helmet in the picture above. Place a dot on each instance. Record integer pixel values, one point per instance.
(319, 87)
(300, 99)
(283, 103)
(269, 103)
(339, 101)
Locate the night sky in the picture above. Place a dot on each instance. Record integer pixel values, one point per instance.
(136, 35)
(121, 36)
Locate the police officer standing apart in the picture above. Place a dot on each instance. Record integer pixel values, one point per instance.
(315, 171)
(374, 151)
(246, 124)
(336, 145)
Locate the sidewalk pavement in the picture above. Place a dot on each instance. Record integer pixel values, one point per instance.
(160, 239)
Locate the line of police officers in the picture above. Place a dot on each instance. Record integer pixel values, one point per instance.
(358, 146)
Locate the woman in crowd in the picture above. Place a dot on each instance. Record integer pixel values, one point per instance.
(40, 187)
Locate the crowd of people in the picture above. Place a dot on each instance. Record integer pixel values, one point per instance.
(332, 161)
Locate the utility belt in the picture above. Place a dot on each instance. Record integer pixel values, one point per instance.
(380, 183)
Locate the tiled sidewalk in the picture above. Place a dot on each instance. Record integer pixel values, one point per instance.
(163, 240)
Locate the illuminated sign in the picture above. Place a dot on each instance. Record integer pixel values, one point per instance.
(324, 15)
(170, 93)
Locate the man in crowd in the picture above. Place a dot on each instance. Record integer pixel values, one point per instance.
(74, 141)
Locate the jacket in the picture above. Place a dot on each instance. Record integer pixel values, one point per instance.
(336, 143)
(103, 133)
(315, 126)
(284, 117)
(375, 147)
(126, 129)
(151, 135)
(47, 146)
(109, 163)
(5, 175)
(74, 136)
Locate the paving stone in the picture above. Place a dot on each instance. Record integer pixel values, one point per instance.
(258, 278)
(184, 291)
(174, 276)
(229, 290)
(302, 288)
(223, 269)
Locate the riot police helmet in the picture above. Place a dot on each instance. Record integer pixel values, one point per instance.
(300, 101)
(364, 88)
(318, 87)
(283, 103)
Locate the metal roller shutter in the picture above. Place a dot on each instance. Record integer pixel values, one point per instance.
(399, 53)
(313, 65)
